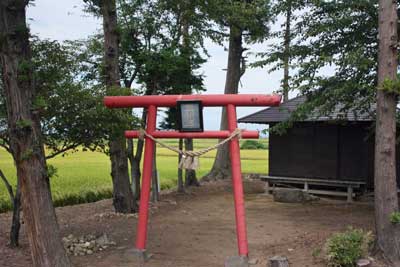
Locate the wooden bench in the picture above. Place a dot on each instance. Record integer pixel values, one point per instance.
(306, 182)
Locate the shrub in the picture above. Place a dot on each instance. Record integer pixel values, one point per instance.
(82, 197)
(344, 249)
(252, 144)
(395, 217)
(5, 206)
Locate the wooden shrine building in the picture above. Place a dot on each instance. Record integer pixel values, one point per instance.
(336, 150)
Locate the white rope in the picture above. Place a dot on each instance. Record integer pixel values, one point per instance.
(190, 159)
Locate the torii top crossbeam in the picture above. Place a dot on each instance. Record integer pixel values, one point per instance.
(207, 100)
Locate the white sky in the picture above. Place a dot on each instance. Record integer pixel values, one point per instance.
(64, 20)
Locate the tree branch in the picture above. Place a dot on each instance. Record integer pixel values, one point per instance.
(8, 186)
(6, 147)
(63, 150)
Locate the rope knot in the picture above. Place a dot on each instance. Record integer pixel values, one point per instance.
(142, 134)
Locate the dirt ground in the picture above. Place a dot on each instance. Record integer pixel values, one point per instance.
(197, 229)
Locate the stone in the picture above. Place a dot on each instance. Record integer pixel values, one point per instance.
(286, 195)
(363, 263)
(103, 240)
(86, 245)
(236, 261)
(253, 261)
(278, 261)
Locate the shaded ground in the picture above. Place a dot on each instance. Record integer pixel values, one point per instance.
(198, 229)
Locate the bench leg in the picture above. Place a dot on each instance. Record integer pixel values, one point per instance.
(305, 186)
(267, 188)
(349, 194)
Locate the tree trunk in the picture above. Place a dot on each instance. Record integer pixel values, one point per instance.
(155, 196)
(137, 159)
(135, 165)
(221, 166)
(26, 139)
(190, 175)
(181, 188)
(386, 199)
(16, 204)
(131, 159)
(122, 194)
(16, 218)
(286, 52)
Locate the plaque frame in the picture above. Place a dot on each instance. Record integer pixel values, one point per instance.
(199, 109)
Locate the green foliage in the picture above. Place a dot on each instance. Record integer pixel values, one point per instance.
(93, 6)
(39, 103)
(51, 171)
(395, 217)
(344, 249)
(118, 91)
(390, 86)
(68, 99)
(251, 17)
(24, 124)
(27, 154)
(341, 37)
(71, 108)
(316, 252)
(252, 144)
(5, 205)
(275, 54)
(24, 66)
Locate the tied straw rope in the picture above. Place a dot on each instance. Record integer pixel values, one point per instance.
(190, 159)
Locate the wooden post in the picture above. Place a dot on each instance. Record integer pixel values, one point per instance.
(305, 186)
(349, 194)
(267, 187)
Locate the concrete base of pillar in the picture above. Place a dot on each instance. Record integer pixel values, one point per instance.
(237, 261)
(142, 255)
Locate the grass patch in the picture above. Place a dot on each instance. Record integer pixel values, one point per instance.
(84, 176)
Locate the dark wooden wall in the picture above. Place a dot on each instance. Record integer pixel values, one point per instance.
(338, 151)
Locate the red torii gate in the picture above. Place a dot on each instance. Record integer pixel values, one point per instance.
(230, 101)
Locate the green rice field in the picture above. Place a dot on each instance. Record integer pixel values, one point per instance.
(84, 176)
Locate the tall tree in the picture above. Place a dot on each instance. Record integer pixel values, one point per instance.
(122, 195)
(25, 137)
(279, 55)
(286, 52)
(344, 34)
(340, 37)
(185, 22)
(123, 200)
(386, 198)
(246, 20)
(221, 166)
(60, 98)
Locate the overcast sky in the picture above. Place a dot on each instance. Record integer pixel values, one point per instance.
(64, 20)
